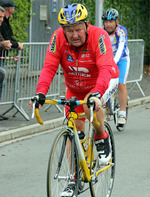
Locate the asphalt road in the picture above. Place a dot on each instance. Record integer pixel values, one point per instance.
(23, 164)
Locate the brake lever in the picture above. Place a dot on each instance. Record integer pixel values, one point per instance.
(33, 110)
(91, 110)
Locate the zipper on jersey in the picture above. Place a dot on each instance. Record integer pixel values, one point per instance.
(77, 63)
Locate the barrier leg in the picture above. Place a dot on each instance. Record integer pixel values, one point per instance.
(140, 88)
(132, 88)
(18, 110)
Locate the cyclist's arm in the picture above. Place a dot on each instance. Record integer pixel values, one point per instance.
(50, 67)
(122, 43)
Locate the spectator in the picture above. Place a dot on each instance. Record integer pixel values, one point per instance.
(4, 44)
(2, 76)
(6, 29)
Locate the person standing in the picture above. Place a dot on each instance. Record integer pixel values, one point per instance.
(6, 29)
(118, 37)
(4, 44)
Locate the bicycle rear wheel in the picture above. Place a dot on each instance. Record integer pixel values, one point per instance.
(110, 106)
(63, 155)
(102, 185)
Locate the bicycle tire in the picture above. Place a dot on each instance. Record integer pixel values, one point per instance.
(59, 160)
(110, 107)
(103, 184)
(111, 104)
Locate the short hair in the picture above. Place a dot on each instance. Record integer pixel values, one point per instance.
(2, 9)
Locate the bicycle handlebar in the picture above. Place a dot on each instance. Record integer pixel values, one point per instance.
(71, 102)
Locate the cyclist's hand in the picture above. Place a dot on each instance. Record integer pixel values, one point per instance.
(97, 98)
(39, 100)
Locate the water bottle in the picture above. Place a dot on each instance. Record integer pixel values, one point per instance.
(83, 141)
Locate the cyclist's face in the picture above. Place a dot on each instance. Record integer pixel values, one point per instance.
(76, 35)
(110, 26)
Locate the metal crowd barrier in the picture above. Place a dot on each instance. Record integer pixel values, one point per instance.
(23, 69)
(136, 48)
(22, 77)
(9, 61)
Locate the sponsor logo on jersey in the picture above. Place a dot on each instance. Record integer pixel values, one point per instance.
(85, 55)
(79, 71)
(53, 44)
(102, 45)
(69, 58)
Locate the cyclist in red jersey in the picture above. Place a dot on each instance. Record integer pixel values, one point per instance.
(86, 57)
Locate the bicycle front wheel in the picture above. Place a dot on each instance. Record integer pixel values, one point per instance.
(62, 159)
(102, 185)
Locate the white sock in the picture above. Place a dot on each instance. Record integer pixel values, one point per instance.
(122, 113)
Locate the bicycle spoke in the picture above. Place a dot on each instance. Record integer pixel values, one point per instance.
(59, 167)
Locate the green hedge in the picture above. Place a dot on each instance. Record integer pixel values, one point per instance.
(20, 19)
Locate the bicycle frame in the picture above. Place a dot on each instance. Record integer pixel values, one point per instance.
(71, 127)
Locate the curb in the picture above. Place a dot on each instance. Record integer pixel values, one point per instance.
(140, 101)
(30, 129)
(51, 124)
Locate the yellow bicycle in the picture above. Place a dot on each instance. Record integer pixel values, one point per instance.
(68, 160)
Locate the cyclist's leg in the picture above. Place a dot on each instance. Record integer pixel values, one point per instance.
(101, 136)
(100, 114)
(123, 95)
(123, 66)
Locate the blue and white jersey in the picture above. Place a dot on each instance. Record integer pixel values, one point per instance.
(119, 43)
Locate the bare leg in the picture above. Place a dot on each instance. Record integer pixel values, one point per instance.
(80, 125)
(123, 95)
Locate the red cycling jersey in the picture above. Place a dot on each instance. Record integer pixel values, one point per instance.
(86, 69)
